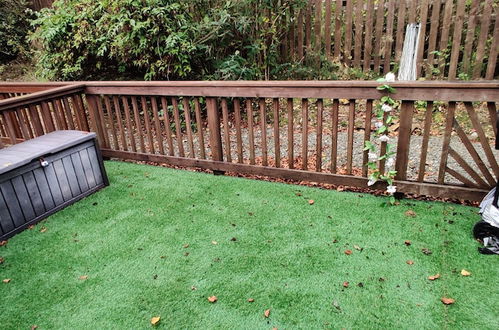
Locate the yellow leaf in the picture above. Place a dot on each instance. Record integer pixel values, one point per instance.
(344, 101)
(266, 313)
(83, 277)
(214, 242)
(447, 301)
(433, 277)
(7, 280)
(212, 299)
(464, 272)
(155, 320)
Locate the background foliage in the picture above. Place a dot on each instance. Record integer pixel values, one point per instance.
(14, 25)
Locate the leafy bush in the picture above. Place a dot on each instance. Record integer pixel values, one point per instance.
(109, 39)
(14, 24)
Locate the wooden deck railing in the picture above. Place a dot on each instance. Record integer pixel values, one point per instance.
(307, 131)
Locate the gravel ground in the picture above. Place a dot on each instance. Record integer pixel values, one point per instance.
(432, 162)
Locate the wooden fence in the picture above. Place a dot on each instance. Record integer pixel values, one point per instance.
(37, 5)
(458, 37)
(308, 131)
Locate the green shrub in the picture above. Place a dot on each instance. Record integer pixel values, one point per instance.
(14, 25)
(112, 39)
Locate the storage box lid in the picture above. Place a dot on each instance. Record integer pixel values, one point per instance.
(23, 153)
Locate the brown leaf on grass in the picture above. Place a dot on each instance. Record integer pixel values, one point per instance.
(33, 327)
(410, 213)
(233, 239)
(186, 246)
(155, 320)
(434, 277)
(193, 288)
(348, 252)
(7, 280)
(266, 313)
(1, 260)
(212, 299)
(410, 262)
(311, 202)
(447, 301)
(251, 300)
(214, 242)
(407, 242)
(44, 229)
(83, 277)
(345, 284)
(357, 247)
(2, 243)
(426, 251)
(464, 272)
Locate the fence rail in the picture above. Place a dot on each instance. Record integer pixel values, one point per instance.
(308, 131)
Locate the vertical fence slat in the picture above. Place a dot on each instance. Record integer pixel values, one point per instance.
(388, 36)
(225, 119)
(199, 123)
(449, 123)
(351, 131)
(67, 109)
(249, 109)
(382, 149)
(291, 133)
(348, 33)
(138, 124)
(422, 36)
(9, 126)
(308, 29)
(168, 128)
(178, 127)
(456, 39)
(299, 29)
(80, 110)
(318, 134)
(327, 29)
(263, 127)
(368, 36)
(25, 117)
(337, 28)
(404, 139)
(367, 135)
(380, 20)
(214, 127)
(334, 134)
(399, 37)
(292, 46)
(129, 126)
(35, 119)
(492, 60)
(482, 39)
(22, 124)
(470, 35)
(110, 118)
(491, 106)
(317, 31)
(147, 122)
(47, 118)
(277, 147)
(77, 114)
(304, 135)
(444, 35)
(432, 40)
(426, 139)
(239, 140)
(119, 120)
(188, 127)
(157, 125)
(62, 114)
(359, 6)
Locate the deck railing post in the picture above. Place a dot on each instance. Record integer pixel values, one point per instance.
(214, 129)
(404, 139)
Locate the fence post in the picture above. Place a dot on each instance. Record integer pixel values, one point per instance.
(95, 120)
(215, 135)
(404, 139)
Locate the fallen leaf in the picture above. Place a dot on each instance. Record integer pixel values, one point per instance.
(464, 272)
(44, 229)
(1, 260)
(186, 254)
(2, 243)
(311, 202)
(360, 285)
(214, 242)
(433, 277)
(33, 327)
(344, 101)
(155, 320)
(336, 305)
(410, 213)
(193, 288)
(407, 242)
(266, 313)
(410, 262)
(233, 239)
(447, 301)
(348, 252)
(212, 299)
(163, 257)
(251, 300)
(426, 251)
(340, 188)
(345, 284)
(7, 280)
(357, 247)
(83, 277)
(186, 246)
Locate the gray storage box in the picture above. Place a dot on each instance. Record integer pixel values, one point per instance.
(41, 176)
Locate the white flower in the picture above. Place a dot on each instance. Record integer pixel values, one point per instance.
(384, 138)
(378, 124)
(386, 108)
(390, 162)
(390, 77)
(391, 189)
(371, 182)
(372, 156)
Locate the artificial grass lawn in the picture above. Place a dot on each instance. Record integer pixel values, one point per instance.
(131, 238)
